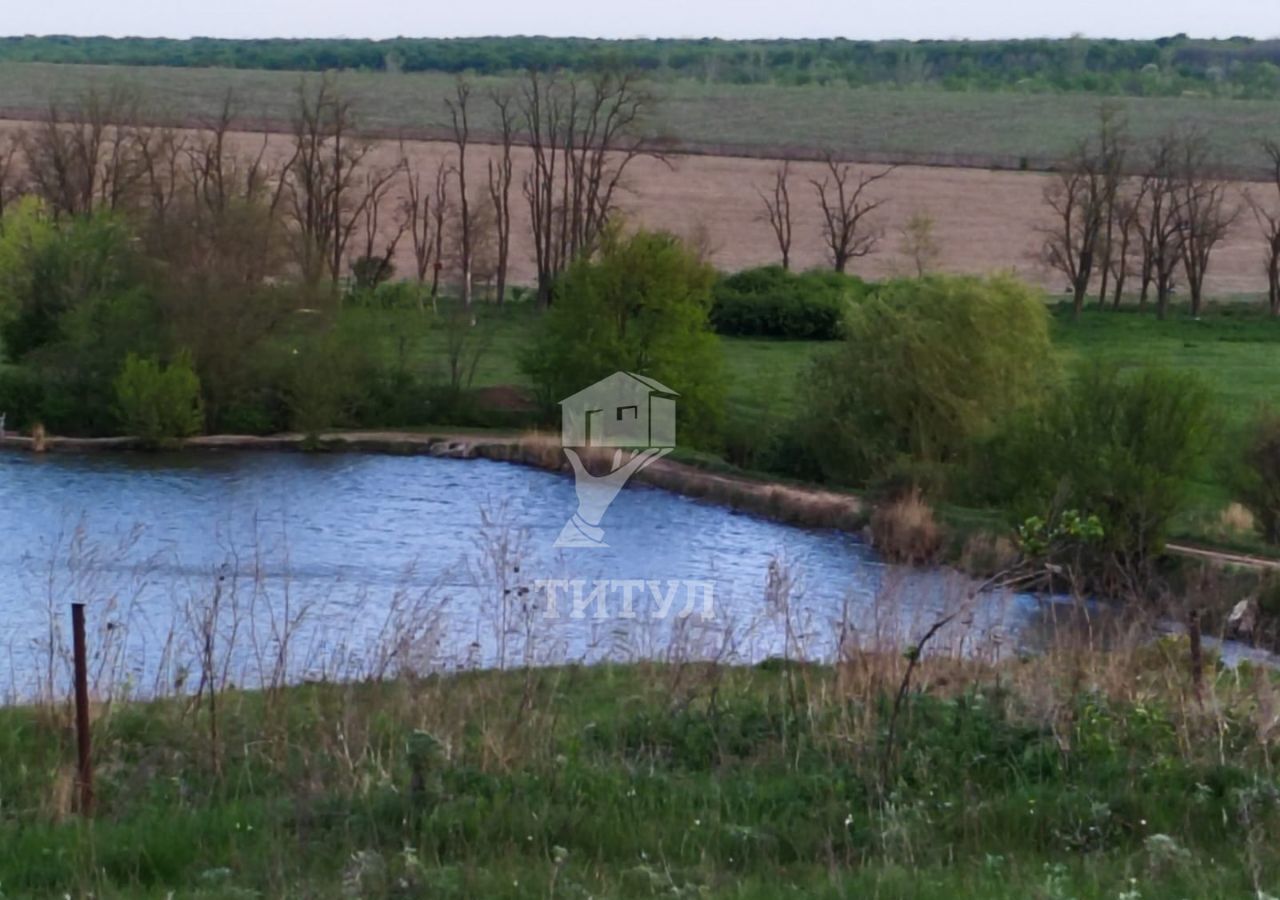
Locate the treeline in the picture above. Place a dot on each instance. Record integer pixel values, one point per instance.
(160, 279)
(1154, 213)
(1238, 67)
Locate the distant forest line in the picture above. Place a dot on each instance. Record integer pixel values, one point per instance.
(1237, 67)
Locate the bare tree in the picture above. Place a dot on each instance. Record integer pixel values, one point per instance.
(84, 158)
(845, 209)
(1113, 149)
(777, 208)
(325, 201)
(583, 133)
(219, 176)
(1126, 233)
(500, 178)
(372, 265)
(1077, 195)
(162, 153)
(423, 212)
(1161, 223)
(12, 179)
(458, 116)
(1203, 213)
(1269, 221)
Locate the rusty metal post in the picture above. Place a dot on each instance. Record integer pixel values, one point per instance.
(82, 709)
(1197, 654)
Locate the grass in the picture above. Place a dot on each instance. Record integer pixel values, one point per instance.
(923, 125)
(675, 780)
(761, 373)
(1234, 347)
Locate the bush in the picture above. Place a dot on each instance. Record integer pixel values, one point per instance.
(904, 530)
(772, 302)
(367, 272)
(639, 306)
(159, 404)
(927, 367)
(21, 398)
(1259, 481)
(1120, 447)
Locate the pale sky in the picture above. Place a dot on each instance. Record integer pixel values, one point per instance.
(645, 18)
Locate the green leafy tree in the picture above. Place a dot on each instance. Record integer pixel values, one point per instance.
(926, 368)
(159, 404)
(1121, 447)
(641, 305)
(47, 269)
(1259, 478)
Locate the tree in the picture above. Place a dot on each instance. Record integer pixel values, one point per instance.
(919, 243)
(372, 265)
(640, 305)
(84, 158)
(1113, 149)
(777, 207)
(322, 178)
(926, 368)
(1125, 231)
(1161, 223)
(1269, 221)
(583, 133)
(159, 404)
(1079, 197)
(13, 182)
(1146, 434)
(461, 130)
(845, 209)
(425, 211)
(500, 178)
(1204, 217)
(1259, 479)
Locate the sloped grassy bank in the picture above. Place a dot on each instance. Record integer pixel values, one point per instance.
(1071, 775)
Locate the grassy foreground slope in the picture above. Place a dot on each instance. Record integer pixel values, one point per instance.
(665, 781)
(916, 125)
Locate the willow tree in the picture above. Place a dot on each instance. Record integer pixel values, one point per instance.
(927, 367)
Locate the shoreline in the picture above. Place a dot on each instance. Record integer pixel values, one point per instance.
(791, 504)
(802, 506)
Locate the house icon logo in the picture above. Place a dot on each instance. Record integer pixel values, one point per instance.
(633, 415)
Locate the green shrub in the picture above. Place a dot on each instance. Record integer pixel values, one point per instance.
(1120, 447)
(1259, 480)
(159, 404)
(926, 368)
(367, 272)
(772, 302)
(21, 397)
(48, 272)
(640, 305)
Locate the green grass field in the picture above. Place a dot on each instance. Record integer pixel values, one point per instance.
(657, 781)
(1234, 347)
(974, 128)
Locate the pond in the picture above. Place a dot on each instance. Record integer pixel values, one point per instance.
(251, 568)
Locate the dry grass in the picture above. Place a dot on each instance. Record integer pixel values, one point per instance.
(1235, 521)
(905, 531)
(985, 553)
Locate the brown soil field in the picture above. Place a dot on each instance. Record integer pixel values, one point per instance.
(984, 221)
